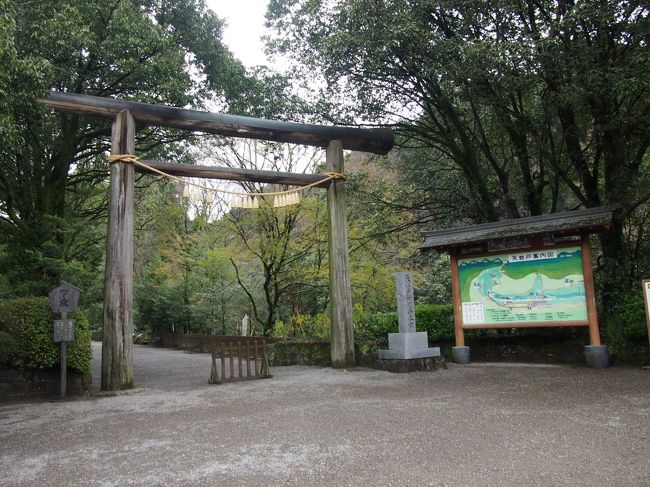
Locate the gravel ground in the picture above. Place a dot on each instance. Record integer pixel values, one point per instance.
(482, 424)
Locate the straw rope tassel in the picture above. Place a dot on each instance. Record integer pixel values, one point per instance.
(239, 200)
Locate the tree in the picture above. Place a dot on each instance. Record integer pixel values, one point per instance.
(184, 280)
(537, 106)
(138, 50)
(272, 246)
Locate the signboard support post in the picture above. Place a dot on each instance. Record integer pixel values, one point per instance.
(460, 353)
(594, 331)
(64, 365)
(596, 355)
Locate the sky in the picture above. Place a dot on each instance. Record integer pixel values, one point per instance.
(245, 26)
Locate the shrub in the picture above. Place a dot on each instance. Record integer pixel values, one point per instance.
(320, 326)
(80, 351)
(371, 329)
(436, 319)
(30, 322)
(8, 348)
(303, 327)
(633, 315)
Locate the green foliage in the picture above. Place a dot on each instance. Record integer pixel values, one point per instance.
(186, 281)
(633, 315)
(52, 192)
(80, 351)
(8, 348)
(30, 322)
(502, 109)
(434, 285)
(371, 329)
(436, 319)
(304, 327)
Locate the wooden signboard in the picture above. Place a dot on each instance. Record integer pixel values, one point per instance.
(63, 331)
(538, 286)
(531, 287)
(64, 298)
(646, 299)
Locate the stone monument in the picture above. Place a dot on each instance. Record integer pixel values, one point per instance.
(408, 343)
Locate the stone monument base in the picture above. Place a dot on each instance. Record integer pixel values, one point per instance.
(410, 365)
(404, 346)
(409, 354)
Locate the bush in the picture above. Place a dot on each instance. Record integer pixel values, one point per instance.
(633, 315)
(8, 348)
(371, 329)
(436, 319)
(30, 322)
(303, 327)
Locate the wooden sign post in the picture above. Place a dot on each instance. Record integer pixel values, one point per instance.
(646, 300)
(64, 299)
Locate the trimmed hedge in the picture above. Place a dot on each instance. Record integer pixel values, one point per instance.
(30, 322)
(371, 329)
(8, 348)
(633, 316)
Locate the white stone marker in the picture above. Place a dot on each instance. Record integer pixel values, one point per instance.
(244, 325)
(408, 343)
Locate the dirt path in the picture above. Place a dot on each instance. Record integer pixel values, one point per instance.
(481, 425)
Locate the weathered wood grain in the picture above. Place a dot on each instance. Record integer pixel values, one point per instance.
(117, 360)
(378, 141)
(342, 340)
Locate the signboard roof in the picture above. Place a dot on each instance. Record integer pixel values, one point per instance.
(566, 223)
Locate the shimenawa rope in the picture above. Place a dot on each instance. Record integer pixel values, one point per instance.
(281, 198)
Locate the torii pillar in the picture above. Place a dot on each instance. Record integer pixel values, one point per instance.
(117, 357)
(342, 337)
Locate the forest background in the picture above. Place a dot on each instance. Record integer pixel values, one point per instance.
(502, 109)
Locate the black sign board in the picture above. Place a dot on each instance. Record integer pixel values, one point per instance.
(64, 298)
(64, 330)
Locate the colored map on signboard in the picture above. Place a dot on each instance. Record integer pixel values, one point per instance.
(522, 287)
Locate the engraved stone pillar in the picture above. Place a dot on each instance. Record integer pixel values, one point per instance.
(408, 343)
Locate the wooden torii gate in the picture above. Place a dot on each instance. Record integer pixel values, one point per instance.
(117, 362)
